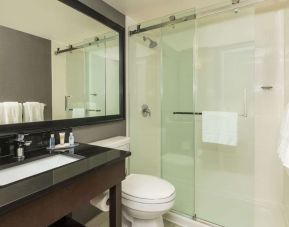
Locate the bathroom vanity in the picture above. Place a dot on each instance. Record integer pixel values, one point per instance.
(63, 181)
(48, 71)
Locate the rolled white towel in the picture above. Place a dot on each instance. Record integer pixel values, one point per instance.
(12, 112)
(33, 111)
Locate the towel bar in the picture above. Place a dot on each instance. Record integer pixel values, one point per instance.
(245, 114)
(198, 113)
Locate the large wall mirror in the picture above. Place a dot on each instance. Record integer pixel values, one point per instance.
(59, 63)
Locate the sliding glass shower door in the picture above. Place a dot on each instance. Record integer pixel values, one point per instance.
(225, 70)
(177, 107)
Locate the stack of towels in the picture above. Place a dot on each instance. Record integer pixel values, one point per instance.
(14, 112)
(10, 113)
(33, 111)
(283, 149)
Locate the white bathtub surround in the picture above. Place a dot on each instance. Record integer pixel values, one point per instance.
(33, 111)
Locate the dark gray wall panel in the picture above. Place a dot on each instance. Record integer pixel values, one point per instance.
(87, 134)
(106, 10)
(25, 68)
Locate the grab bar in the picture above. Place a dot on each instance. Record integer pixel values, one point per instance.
(197, 113)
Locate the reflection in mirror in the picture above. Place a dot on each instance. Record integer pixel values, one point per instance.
(92, 78)
(56, 63)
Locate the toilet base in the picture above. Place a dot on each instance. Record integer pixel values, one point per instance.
(157, 222)
(136, 222)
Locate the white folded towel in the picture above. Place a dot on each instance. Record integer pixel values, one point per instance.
(283, 149)
(220, 128)
(78, 113)
(33, 111)
(12, 112)
(2, 115)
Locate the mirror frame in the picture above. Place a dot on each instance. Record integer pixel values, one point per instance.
(68, 123)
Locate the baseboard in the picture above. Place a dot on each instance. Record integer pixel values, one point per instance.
(182, 221)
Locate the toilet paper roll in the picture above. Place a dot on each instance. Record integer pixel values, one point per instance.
(101, 201)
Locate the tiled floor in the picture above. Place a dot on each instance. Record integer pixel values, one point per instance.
(102, 221)
(170, 224)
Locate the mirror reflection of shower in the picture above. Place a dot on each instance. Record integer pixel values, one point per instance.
(152, 43)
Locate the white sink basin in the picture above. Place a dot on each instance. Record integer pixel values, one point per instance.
(19, 172)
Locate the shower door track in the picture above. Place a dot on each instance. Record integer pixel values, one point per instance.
(202, 13)
(205, 222)
(161, 25)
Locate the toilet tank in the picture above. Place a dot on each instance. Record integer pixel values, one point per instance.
(118, 142)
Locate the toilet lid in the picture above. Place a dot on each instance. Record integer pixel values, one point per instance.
(147, 189)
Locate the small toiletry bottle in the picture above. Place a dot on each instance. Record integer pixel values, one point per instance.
(52, 141)
(71, 139)
(62, 138)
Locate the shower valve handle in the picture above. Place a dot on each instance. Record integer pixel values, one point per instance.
(146, 112)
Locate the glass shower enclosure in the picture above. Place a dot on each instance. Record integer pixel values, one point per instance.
(185, 67)
(92, 78)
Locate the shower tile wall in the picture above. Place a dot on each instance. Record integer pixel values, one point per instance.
(144, 87)
(269, 108)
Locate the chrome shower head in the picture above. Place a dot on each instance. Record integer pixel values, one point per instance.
(234, 2)
(152, 43)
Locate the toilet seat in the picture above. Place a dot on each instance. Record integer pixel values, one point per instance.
(148, 201)
(145, 189)
(147, 196)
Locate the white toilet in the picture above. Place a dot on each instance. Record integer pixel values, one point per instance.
(144, 198)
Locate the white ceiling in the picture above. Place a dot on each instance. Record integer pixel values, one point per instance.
(49, 19)
(142, 10)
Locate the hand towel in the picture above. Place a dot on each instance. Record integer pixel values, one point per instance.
(33, 111)
(220, 128)
(283, 148)
(2, 115)
(78, 113)
(12, 112)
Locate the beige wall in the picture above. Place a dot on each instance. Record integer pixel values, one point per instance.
(58, 82)
(286, 101)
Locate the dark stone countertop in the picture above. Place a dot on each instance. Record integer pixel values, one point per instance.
(90, 158)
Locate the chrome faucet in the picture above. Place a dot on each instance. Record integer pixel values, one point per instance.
(21, 143)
